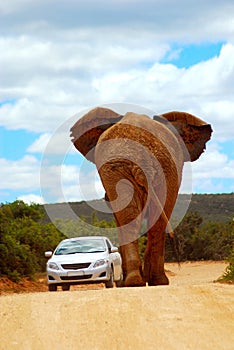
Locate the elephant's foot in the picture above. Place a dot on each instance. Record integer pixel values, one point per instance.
(134, 279)
(158, 280)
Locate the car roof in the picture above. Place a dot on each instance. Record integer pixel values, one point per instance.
(84, 237)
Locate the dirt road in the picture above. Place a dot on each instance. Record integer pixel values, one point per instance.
(191, 313)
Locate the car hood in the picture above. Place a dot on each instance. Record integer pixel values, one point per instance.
(79, 257)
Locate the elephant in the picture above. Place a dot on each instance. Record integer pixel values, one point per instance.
(140, 161)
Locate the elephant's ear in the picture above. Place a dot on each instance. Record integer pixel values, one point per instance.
(87, 130)
(194, 132)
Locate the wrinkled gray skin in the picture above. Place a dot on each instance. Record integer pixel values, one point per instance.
(140, 162)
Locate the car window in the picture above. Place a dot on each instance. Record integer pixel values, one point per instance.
(108, 245)
(81, 246)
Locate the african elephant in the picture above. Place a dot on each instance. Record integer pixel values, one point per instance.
(140, 162)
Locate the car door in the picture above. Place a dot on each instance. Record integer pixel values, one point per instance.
(116, 260)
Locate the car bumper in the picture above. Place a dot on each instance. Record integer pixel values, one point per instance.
(93, 275)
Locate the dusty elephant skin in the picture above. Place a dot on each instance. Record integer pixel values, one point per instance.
(140, 162)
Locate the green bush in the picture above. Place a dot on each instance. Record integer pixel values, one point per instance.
(202, 241)
(24, 239)
(228, 275)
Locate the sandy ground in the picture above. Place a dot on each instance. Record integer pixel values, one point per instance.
(191, 313)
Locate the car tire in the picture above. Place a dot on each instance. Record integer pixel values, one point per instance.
(120, 282)
(65, 287)
(110, 282)
(52, 287)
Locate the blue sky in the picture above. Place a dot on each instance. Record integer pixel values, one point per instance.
(55, 65)
(191, 54)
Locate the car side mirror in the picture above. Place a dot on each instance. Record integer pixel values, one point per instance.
(48, 254)
(114, 250)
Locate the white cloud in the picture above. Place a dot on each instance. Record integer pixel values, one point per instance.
(62, 183)
(88, 53)
(39, 145)
(7, 7)
(49, 79)
(52, 77)
(57, 143)
(169, 18)
(58, 183)
(214, 161)
(211, 170)
(20, 174)
(31, 198)
(88, 191)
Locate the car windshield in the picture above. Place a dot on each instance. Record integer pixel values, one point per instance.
(81, 246)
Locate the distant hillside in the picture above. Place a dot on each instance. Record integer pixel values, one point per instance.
(212, 207)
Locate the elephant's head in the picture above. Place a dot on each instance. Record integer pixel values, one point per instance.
(192, 130)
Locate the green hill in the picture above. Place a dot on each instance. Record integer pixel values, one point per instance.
(212, 207)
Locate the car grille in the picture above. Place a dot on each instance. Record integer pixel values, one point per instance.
(73, 278)
(75, 266)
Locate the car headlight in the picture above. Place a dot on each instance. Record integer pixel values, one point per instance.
(99, 263)
(53, 266)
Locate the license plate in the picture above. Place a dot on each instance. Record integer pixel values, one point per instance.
(75, 273)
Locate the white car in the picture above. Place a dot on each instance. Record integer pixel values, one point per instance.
(82, 260)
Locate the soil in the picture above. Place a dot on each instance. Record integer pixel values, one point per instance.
(192, 312)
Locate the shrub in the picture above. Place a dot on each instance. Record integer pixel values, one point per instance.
(24, 239)
(228, 275)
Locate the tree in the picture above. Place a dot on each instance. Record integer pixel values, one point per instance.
(23, 240)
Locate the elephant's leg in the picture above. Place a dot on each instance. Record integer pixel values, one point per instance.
(126, 201)
(132, 268)
(128, 226)
(154, 272)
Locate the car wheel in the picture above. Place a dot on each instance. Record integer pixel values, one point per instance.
(52, 287)
(65, 287)
(120, 282)
(110, 283)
